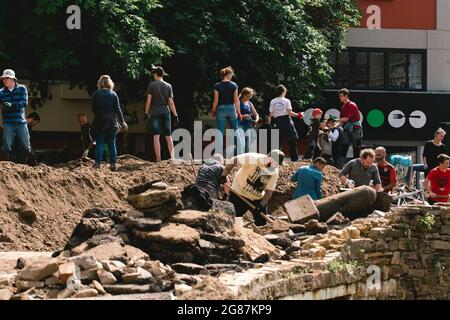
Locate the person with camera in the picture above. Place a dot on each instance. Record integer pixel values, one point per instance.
(157, 110)
(14, 100)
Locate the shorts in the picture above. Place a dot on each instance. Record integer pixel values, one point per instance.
(161, 124)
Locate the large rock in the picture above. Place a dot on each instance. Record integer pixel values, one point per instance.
(256, 246)
(106, 277)
(85, 261)
(144, 224)
(206, 221)
(152, 198)
(5, 294)
(117, 251)
(301, 209)
(171, 234)
(38, 271)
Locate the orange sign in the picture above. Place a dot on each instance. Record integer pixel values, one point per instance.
(398, 14)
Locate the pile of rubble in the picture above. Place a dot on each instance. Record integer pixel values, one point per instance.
(118, 252)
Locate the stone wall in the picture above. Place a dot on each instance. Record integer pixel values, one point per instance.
(405, 255)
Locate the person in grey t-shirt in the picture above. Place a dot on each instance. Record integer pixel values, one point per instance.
(157, 110)
(359, 172)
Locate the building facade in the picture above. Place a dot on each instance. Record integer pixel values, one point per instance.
(397, 67)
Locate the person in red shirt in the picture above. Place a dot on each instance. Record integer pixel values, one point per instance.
(388, 174)
(437, 182)
(350, 120)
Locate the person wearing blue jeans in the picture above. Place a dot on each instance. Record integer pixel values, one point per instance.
(246, 125)
(14, 100)
(108, 116)
(226, 109)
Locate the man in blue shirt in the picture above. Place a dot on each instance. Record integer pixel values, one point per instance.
(13, 101)
(309, 180)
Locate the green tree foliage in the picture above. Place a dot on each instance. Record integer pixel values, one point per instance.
(115, 38)
(267, 42)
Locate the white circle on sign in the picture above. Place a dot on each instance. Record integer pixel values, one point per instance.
(417, 119)
(333, 112)
(397, 119)
(307, 116)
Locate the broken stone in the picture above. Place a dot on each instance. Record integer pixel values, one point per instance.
(160, 185)
(23, 285)
(38, 271)
(116, 251)
(152, 198)
(188, 268)
(6, 280)
(66, 293)
(338, 219)
(234, 242)
(140, 276)
(144, 224)
(301, 210)
(86, 293)
(100, 239)
(20, 264)
(162, 212)
(105, 277)
(87, 276)
(66, 270)
(283, 242)
(172, 234)
(127, 288)
(142, 187)
(118, 216)
(79, 250)
(256, 247)
(207, 221)
(52, 281)
(134, 214)
(97, 286)
(157, 269)
(85, 262)
(315, 227)
(5, 294)
(181, 288)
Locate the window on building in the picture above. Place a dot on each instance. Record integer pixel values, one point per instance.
(380, 69)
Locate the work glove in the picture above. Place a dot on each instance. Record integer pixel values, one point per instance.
(6, 105)
(124, 126)
(351, 184)
(176, 121)
(223, 179)
(146, 117)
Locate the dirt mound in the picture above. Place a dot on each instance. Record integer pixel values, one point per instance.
(59, 196)
(40, 207)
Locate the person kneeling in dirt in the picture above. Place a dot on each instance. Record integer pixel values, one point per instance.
(209, 175)
(207, 185)
(254, 183)
(309, 180)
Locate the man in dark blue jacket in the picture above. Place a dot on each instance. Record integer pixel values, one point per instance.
(309, 180)
(13, 101)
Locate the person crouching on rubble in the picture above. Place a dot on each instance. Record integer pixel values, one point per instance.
(437, 183)
(388, 174)
(207, 185)
(254, 183)
(209, 175)
(309, 180)
(361, 171)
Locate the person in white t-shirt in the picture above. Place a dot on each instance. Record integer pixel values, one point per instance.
(281, 110)
(255, 181)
